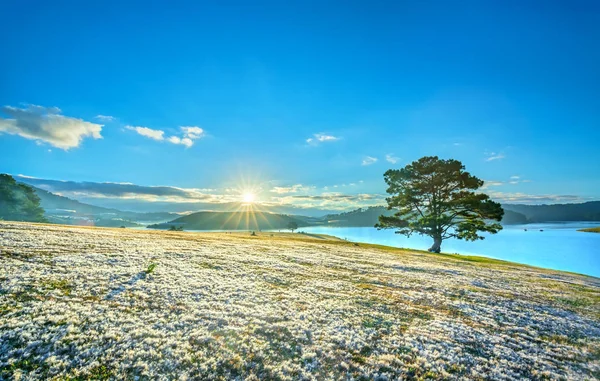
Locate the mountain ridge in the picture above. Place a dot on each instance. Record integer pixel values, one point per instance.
(237, 220)
(61, 209)
(64, 210)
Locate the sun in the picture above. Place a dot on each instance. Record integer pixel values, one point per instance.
(248, 197)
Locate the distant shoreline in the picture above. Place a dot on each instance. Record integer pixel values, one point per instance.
(590, 230)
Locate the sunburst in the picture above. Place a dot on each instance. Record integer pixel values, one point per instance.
(248, 197)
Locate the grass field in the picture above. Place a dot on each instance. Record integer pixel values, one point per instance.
(91, 303)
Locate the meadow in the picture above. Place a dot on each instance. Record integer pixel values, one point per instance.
(99, 303)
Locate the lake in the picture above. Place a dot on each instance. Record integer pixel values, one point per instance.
(559, 246)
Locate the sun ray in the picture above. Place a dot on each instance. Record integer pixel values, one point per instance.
(248, 197)
(233, 214)
(244, 214)
(251, 207)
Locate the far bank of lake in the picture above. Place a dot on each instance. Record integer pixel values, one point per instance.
(556, 246)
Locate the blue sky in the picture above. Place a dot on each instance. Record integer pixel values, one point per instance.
(301, 102)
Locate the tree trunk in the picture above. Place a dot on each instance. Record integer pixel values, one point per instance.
(437, 245)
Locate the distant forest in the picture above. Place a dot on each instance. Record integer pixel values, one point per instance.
(63, 210)
(513, 214)
(587, 211)
(240, 220)
(368, 217)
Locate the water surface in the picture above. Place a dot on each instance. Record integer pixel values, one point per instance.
(556, 246)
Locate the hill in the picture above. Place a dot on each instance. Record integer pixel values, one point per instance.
(361, 217)
(587, 211)
(513, 214)
(63, 210)
(281, 306)
(240, 220)
(512, 218)
(368, 217)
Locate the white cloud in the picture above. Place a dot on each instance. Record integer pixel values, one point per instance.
(46, 124)
(148, 132)
(193, 132)
(326, 138)
(292, 189)
(514, 180)
(174, 140)
(107, 193)
(354, 184)
(187, 142)
(368, 160)
(285, 196)
(189, 135)
(110, 190)
(321, 138)
(523, 198)
(490, 183)
(331, 200)
(183, 141)
(106, 118)
(391, 158)
(494, 156)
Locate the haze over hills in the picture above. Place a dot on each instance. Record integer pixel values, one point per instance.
(233, 215)
(513, 214)
(257, 220)
(59, 209)
(111, 196)
(152, 204)
(191, 207)
(238, 220)
(368, 217)
(587, 211)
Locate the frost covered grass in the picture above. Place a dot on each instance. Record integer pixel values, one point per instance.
(82, 303)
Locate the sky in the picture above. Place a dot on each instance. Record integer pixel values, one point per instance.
(305, 103)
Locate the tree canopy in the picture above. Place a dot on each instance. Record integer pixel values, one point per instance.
(438, 198)
(292, 225)
(19, 202)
